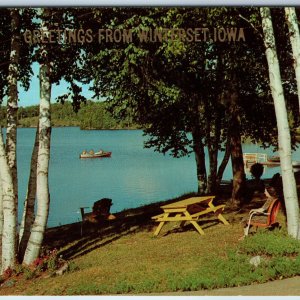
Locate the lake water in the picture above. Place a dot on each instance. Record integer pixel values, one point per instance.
(133, 176)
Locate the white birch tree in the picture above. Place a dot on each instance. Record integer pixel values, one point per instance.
(284, 138)
(8, 155)
(12, 103)
(291, 18)
(43, 158)
(9, 211)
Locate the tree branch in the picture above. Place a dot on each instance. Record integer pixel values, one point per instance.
(248, 21)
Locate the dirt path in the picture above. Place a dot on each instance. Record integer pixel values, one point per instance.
(284, 287)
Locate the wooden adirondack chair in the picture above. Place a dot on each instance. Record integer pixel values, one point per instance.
(264, 218)
(100, 212)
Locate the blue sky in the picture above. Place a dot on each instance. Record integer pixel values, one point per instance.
(32, 96)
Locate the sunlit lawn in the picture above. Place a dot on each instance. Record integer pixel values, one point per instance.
(134, 261)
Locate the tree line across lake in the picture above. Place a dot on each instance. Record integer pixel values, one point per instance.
(91, 115)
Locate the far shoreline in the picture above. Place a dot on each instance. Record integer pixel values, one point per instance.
(297, 137)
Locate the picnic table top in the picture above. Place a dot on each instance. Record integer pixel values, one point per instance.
(186, 202)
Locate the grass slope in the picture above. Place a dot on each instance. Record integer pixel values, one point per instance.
(122, 256)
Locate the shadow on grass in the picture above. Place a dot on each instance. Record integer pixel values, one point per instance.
(81, 238)
(205, 224)
(78, 239)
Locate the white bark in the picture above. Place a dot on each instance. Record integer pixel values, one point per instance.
(42, 194)
(284, 138)
(8, 157)
(291, 18)
(9, 211)
(12, 102)
(42, 191)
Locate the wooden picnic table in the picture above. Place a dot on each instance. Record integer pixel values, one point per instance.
(189, 210)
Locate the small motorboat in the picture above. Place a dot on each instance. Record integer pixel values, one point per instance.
(92, 154)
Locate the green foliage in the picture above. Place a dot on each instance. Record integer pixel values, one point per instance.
(88, 289)
(280, 258)
(73, 267)
(19, 269)
(273, 243)
(26, 15)
(92, 115)
(30, 273)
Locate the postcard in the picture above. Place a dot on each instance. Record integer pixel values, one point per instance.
(149, 150)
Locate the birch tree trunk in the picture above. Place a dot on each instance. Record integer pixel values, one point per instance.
(284, 138)
(9, 211)
(42, 191)
(291, 18)
(12, 102)
(8, 157)
(29, 204)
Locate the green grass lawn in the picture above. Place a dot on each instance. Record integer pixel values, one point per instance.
(123, 257)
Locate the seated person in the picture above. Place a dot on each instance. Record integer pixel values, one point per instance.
(271, 194)
(256, 171)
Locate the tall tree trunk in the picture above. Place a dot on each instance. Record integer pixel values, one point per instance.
(9, 211)
(284, 138)
(12, 103)
(236, 151)
(213, 147)
(9, 156)
(292, 22)
(238, 170)
(224, 161)
(198, 148)
(42, 192)
(29, 204)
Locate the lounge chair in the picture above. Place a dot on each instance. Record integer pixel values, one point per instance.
(263, 218)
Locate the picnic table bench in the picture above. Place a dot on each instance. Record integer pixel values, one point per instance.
(189, 210)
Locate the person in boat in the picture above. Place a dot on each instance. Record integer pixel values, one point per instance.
(100, 151)
(270, 195)
(84, 152)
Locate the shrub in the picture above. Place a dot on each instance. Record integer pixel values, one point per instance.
(275, 243)
(280, 259)
(30, 273)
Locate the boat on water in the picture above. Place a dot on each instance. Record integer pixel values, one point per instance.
(262, 158)
(92, 154)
